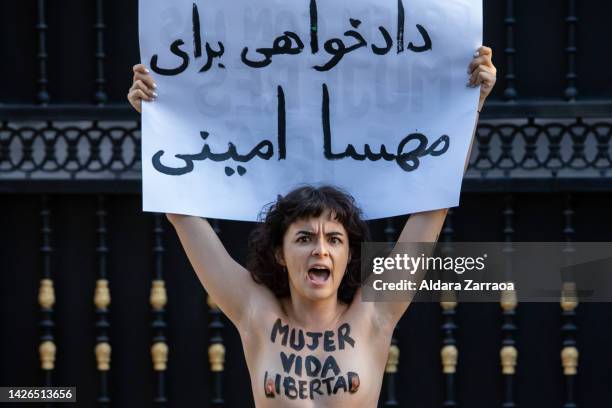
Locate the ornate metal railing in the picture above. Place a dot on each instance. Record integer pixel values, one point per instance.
(106, 149)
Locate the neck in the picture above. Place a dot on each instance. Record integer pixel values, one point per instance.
(314, 314)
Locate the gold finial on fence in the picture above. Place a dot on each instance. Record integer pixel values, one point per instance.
(569, 359)
(216, 356)
(46, 294)
(158, 297)
(448, 300)
(508, 300)
(47, 351)
(392, 359)
(102, 294)
(508, 356)
(569, 298)
(449, 356)
(103, 356)
(159, 353)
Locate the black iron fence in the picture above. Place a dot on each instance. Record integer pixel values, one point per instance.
(74, 236)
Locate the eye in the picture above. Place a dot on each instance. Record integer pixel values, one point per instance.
(303, 239)
(335, 240)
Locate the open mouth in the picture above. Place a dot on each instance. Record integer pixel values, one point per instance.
(318, 275)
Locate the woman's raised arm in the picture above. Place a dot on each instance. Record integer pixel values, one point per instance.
(228, 283)
(426, 226)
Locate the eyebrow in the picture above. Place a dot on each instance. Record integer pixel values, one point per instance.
(309, 233)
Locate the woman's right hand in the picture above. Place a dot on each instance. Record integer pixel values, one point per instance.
(143, 87)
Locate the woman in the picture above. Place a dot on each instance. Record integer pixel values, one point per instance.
(307, 337)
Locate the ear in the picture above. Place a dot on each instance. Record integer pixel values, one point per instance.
(278, 255)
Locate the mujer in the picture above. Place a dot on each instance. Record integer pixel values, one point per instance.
(307, 337)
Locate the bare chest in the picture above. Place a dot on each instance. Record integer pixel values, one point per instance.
(295, 367)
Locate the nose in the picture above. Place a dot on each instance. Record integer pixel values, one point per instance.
(320, 248)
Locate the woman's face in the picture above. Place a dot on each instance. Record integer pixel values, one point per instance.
(315, 252)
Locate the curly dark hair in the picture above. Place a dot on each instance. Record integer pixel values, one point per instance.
(305, 202)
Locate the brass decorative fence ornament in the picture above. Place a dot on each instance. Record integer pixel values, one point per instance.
(216, 348)
(102, 301)
(569, 353)
(46, 294)
(569, 297)
(449, 354)
(216, 355)
(103, 356)
(508, 300)
(508, 354)
(393, 359)
(47, 349)
(102, 295)
(216, 351)
(569, 359)
(158, 300)
(390, 375)
(159, 355)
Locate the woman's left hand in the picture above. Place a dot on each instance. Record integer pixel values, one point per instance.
(482, 73)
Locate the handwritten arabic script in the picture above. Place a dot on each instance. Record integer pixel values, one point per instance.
(289, 43)
(255, 98)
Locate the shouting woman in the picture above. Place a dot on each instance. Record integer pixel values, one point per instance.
(308, 338)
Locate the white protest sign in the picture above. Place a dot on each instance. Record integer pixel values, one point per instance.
(256, 98)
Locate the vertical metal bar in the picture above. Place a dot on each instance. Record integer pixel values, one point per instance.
(571, 90)
(510, 92)
(569, 303)
(554, 161)
(483, 162)
(578, 133)
(508, 303)
(41, 26)
(159, 349)
(100, 96)
(506, 160)
(603, 161)
(102, 302)
(394, 350)
(530, 160)
(449, 353)
(216, 349)
(46, 299)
